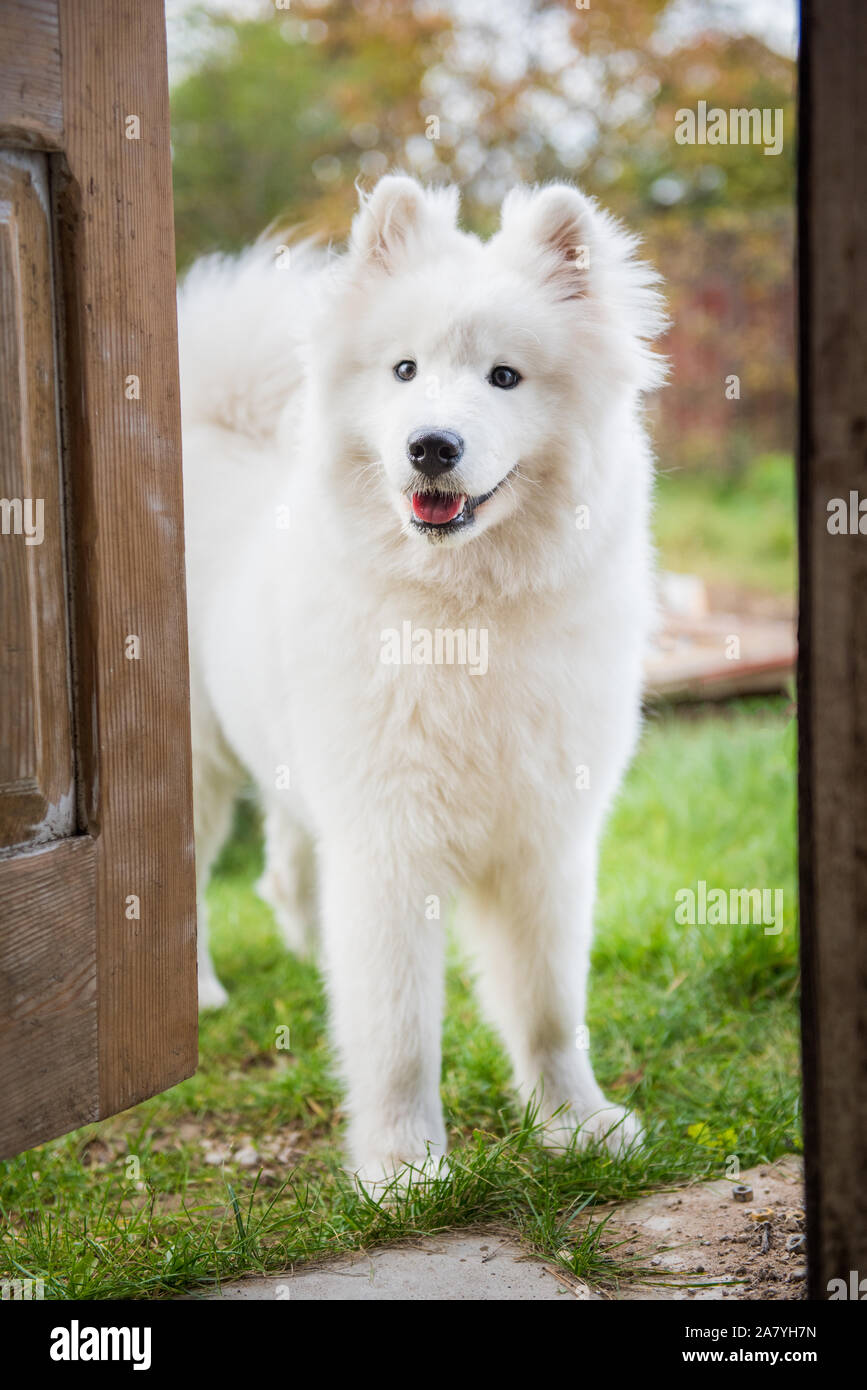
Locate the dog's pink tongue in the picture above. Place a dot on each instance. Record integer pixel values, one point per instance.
(436, 508)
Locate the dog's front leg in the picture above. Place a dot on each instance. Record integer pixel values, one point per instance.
(531, 924)
(384, 964)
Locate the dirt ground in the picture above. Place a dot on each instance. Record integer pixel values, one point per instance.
(701, 1242)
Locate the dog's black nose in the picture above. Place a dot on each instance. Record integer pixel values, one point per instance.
(434, 451)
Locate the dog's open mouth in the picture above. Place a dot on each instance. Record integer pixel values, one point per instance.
(442, 512)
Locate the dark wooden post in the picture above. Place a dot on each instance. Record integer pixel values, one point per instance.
(833, 634)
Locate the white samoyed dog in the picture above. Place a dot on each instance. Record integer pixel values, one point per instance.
(417, 489)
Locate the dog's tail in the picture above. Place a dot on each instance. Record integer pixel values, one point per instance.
(240, 328)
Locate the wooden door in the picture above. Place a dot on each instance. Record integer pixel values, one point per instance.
(97, 898)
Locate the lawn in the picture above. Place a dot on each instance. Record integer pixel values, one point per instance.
(731, 529)
(238, 1168)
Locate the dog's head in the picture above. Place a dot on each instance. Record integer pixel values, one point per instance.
(463, 376)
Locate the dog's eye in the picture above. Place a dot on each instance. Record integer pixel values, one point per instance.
(405, 371)
(504, 377)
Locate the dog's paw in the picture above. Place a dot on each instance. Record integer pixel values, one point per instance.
(211, 994)
(618, 1129)
(382, 1178)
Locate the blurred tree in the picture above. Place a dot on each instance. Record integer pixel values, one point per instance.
(285, 112)
(288, 110)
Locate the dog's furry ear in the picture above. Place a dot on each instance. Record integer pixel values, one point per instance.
(551, 229)
(397, 216)
(582, 255)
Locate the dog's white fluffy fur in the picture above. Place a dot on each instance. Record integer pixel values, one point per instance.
(416, 782)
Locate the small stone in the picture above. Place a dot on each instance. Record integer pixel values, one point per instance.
(247, 1157)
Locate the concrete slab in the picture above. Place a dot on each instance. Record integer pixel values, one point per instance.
(476, 1268)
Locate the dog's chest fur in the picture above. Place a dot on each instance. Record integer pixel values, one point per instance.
(444, 758)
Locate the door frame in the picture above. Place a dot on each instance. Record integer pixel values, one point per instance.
(832, 668)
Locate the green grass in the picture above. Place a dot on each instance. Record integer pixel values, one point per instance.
(694, 1025)
(731, 530)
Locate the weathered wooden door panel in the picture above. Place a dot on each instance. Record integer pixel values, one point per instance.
(31, 101)
(97, 929)
(36, 759)
(49, 1077)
